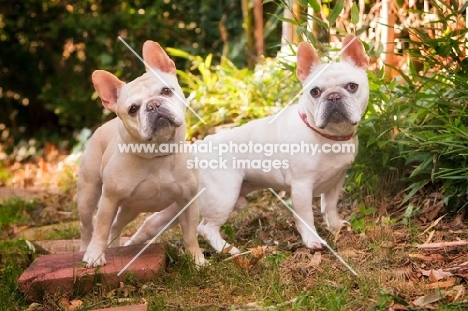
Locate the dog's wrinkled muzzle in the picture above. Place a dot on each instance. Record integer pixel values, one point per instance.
(335, 110)
(156, 116)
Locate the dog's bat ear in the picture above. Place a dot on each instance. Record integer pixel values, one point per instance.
(108, 87)
(307, 60)
(353, 52)
(155, 56)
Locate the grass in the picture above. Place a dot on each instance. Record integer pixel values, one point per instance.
(285, 276)
(15, 257)
(16, 211)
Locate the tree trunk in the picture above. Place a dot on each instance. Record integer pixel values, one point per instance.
(258, 32)
(296, 13)
(388, 37)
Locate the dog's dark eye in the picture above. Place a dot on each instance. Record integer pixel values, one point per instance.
(133, 109)
(315, 92)
(352, 87)
(166, 91)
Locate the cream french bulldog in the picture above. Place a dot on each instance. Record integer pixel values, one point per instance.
(333, 101)
(150, 110)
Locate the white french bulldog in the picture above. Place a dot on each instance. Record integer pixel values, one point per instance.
(333, 101)
(150, 110)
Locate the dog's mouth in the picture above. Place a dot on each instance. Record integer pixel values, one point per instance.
(158, 125)
(335, 116)
(156, 120)
(163, 121)
(159, 115)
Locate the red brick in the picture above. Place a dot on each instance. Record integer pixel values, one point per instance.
(65, 274)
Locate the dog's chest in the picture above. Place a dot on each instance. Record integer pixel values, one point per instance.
(143, 185)
(152, 194)
(324, 170)
(327, 177)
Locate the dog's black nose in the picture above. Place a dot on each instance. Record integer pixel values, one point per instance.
(152, 105)
(334, 96)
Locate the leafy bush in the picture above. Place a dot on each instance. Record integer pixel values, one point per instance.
(433, 114)
(414, 134)
(226, 95)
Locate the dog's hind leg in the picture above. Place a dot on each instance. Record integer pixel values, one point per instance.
(154, 224)
(210, 231)
(216, 205)
(123, 217)
(329, 201)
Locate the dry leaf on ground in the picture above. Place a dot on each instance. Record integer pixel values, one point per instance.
(428, 299)
(451, 295)
(443, 284)
(436, 275)
(247, 263)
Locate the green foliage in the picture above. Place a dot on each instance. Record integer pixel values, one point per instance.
(223, 94)
(48, 51)
(414, 133)
(433, 117)
(410, 211)
(357, 219)
(15, 257)
(63, 231)
(228, 231)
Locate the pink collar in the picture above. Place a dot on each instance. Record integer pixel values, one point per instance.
(332, 137)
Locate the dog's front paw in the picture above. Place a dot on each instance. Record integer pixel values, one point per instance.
(313, 243)
(201, 261)
(94, 259)
(315, 246)
(230, 249)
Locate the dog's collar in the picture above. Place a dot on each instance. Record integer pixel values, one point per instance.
(332, 137)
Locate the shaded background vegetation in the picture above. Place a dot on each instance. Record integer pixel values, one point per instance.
(48, 50)
(413, 138)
